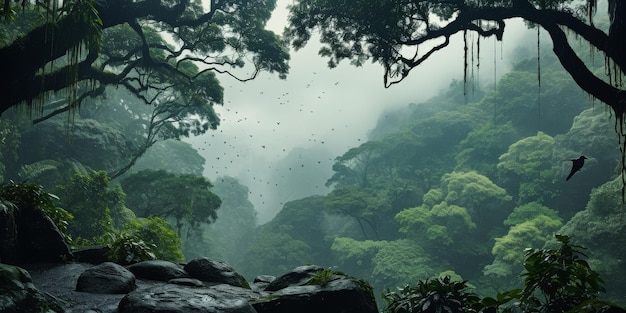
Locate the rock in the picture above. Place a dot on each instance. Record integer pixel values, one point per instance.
(306, 289)
(181, 299)
(157, 270)
(93, 255)
(262, 281)
(297, 277)
(106, 278)
(341, 294)
(59, 280)
(18, 294)
(213, 271)
(28, 235)
(191, 282)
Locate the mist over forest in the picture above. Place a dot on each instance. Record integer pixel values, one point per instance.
(455, 172)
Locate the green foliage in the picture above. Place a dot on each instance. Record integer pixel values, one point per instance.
(128, 248)
(323, 277)
(437, 295)
(480, 150)
(159, 236)
(172, 155)
(184, 198)
(364, 205)
(529, 211)
(93, 203)
(402, 261)
(236, 221)
(25, 195)
(561, 276)
(600, 228)
(274, 253)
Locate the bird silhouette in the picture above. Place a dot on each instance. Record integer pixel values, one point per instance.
(577, 164)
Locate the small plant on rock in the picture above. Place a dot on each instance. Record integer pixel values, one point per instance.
(128, 249)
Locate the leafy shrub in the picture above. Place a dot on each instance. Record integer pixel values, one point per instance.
(557, 280)
(128, 249)
(157, 233)
(323, 277)
(440, 295)
(21, 195)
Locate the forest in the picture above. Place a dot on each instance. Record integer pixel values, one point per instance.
(466, 189)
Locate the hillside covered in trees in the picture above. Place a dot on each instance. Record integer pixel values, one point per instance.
(457, 186)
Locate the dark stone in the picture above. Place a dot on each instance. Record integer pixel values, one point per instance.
(18, 294)
(180, 299)
(191, 282)
(28, 236)
(320, 290)
(341, 295)
(157, 270)
(93, 255)
(262, 281)
(213, 271)
(106, 278)
(297, 277)
(59, 280)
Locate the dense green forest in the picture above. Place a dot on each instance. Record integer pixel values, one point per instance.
(457, 187)
(461, 186)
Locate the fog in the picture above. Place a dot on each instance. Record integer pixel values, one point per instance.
(280, 137)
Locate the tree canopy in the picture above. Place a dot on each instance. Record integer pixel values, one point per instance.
(158, 50)
(393, 32)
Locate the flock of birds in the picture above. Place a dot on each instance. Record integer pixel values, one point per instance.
(263, 123)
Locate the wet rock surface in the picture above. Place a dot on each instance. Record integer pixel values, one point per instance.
(174, 299)
(106, 278)
(213, 271)
(158, 270)
(300, 290)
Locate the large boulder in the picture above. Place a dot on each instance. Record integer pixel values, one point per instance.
(310, 289)
(106, 278)
(299, 276)
(18, 294)
(217, 272)
(182, 299)
(27, 235)
(157, 270)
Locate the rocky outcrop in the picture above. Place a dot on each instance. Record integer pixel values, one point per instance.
(158, 270)
(18, 294)
(181, 299)
(304, 289)
(309, 289)
(28, 235)
(212, 271)
(106, 278)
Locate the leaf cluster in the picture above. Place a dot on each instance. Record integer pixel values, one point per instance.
(127, 248)
(436, 295)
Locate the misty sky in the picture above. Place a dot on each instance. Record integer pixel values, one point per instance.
(319, 113)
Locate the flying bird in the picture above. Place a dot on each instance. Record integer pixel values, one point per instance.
(577, 164)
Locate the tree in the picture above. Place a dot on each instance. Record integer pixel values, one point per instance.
(389, 32)
(532, 225)
(600, 227)
(64, 49)
(234, 228)
(528, 168)
(393, 32)
(458, 221)
(365, 206)
(187, 199)
(93, 203)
